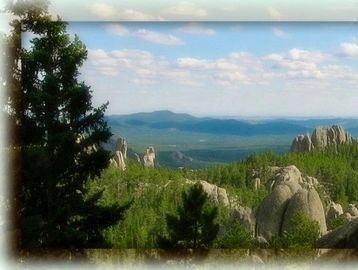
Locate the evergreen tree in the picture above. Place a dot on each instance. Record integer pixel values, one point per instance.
(194, 226)
(59, 134)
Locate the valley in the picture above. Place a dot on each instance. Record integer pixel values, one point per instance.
(182, 140)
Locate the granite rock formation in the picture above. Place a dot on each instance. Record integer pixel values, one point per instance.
(334, 210)
(137, 157)
(122, 146)
(215, 193)
(345, 236)
(149, 157)
(120, 154)
(291, 192)
(308, 201)
(352, 210)
(320, 138)
(245, 217)
(119, 159)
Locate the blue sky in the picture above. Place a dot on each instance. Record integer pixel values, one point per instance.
(223, 69)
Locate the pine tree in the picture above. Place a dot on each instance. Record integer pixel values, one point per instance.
(59, 134)
(194, 226)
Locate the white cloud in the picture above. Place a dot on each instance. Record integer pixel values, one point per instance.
(224, 64)
(186, 9)
(117, 29)
(274, 13)
(137, 66)
(110, 63)
(232, 76)
(197, 28)
(158, 38)
(136, 15)
(278, 32)
(304, 64)
(239, 67)
(105, 11)
(100, 61)
(306, 73)
(188, 62)
(144, 34)
(305, 55)
(349, 49)
(298, 63)
(309, 69)
(102, 10)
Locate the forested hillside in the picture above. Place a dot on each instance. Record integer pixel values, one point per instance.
(156, 192)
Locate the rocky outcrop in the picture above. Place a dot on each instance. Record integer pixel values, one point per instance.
(137, 157)
(345, 236)
(119, 159)
(149, 157)
(245, 217)
(122, 146)
(320, 138)
(290, 193)
(120, 154)
(334, 210)
(289, 176)
(305, 200)
(215, 193)
(256, 183)
(352, 210)
(302, 143)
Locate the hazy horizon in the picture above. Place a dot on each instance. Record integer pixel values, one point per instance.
(240, 117)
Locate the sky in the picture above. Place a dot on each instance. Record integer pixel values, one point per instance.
(207, 10)
(223, 69)
(276, 68)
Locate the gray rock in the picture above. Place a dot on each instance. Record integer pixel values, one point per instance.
(334, 210)
(287, 181)
(345, 236)
(149, 157)
(352, 209)
(348, 216)
(321, 137)
(270, 212)
(122, 146)
(137, 157)
(290, 193)
(245, 217)
(312, 181)
(215, 193)
(120, 160)
(302, 143)
(289, 176)
(307, 201)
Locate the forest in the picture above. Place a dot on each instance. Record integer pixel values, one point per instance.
(154, 192)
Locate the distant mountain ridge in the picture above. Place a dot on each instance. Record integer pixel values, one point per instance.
(189, 123)
(185, 140)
